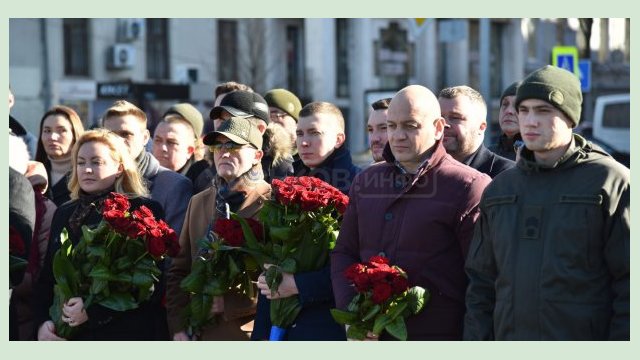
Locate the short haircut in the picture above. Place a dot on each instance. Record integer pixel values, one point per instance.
(230, 86)
(462, 90)
(123, 108)
(175, 118)
(321, 107)
(381, 104)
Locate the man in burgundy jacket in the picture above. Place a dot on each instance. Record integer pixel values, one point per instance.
(418, 208)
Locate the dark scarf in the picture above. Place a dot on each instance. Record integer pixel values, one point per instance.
(86, 204)
(33, 266)
(234, 193)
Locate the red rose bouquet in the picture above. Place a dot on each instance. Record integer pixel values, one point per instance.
(17, 254)
(301, 225)
(383, 300)
(220, 268)
(113, 265)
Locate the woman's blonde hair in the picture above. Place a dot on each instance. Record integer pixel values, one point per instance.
(129, 183)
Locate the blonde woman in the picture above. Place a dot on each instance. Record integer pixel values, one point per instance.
(60, 128)
(100, 165)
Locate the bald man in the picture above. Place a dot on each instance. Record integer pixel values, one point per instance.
(418, 208)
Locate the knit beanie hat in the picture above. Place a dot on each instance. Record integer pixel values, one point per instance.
(510, 90)
(284, 100)
(188, 112)
(556, 86)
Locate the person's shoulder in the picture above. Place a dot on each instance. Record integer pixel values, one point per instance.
(454, 170)
(165, 174)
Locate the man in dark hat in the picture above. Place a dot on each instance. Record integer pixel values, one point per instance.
(550, 255)
(277, 160)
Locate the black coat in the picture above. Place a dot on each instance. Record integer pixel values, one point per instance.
(103, 323)
(489, 163)
(337, 169)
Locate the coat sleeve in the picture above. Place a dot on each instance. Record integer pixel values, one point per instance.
(617, 257)
(177, 299)
(480, 298)
(346, 252)
(469, 212)
(175, 209)
(314, 286)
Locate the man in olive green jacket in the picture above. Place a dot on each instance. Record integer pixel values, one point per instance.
(550, 254)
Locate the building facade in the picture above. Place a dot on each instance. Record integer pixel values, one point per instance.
(89, 63)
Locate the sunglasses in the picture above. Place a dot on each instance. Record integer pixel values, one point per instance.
(228, 147)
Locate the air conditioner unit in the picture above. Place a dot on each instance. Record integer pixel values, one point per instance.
(121, 56)
(187, 74)
(131, 29)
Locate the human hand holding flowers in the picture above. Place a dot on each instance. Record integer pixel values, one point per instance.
(286, 288)
(73, 312)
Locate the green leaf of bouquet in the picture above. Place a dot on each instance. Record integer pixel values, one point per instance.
(101, 272)
(397, 328)
(88, 234)
(234, 270)
(288, 265)
(397, 310)
(417, 297)
(141, 279)
(123, 263)
(356, 332)
(380, 323)
(119, 302)
(97, 251)
(273, 277)
(97, 286)
(65, 274)
(354, 304)
(280, 233)
(284, 311)
(344, 317)
(373, 311)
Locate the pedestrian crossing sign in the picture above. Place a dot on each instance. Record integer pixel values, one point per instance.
(566, 57)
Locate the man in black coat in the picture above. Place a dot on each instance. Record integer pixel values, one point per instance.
(465, 111)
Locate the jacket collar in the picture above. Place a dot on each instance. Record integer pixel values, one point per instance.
(438, 154)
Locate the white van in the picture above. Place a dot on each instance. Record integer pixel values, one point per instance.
(611, 117)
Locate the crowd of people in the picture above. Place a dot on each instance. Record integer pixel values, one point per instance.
(525, 240)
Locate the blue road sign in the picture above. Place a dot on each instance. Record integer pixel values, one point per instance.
(584, 66)
(565, 61)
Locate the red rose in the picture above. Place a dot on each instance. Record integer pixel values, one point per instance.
(381, 293)
(379, 259)
(136, 229)
(289, 180)
(306, 181)
(171, 242)
(16, 245)
(256, 228)
(156, 246)
(377, 275)
(352, 271)
(362, 283)
(285, 194)
(143, 212)
(400, 284)
(117, 201)
(311, 201)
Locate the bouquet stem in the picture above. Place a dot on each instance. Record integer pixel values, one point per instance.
(277, 333)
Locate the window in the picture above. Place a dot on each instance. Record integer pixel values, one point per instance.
(227, 50)
(295, 68)
(342, 57)
(157, 49)
(76, 47)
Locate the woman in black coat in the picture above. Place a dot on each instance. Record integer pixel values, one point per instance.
(100, 166)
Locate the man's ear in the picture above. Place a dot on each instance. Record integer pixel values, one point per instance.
(258, 157)
(340, 138)
(146, 136)
(439, 124)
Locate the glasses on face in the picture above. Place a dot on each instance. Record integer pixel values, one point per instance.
(228, 147)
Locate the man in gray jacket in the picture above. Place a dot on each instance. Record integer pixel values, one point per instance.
(550, 255)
